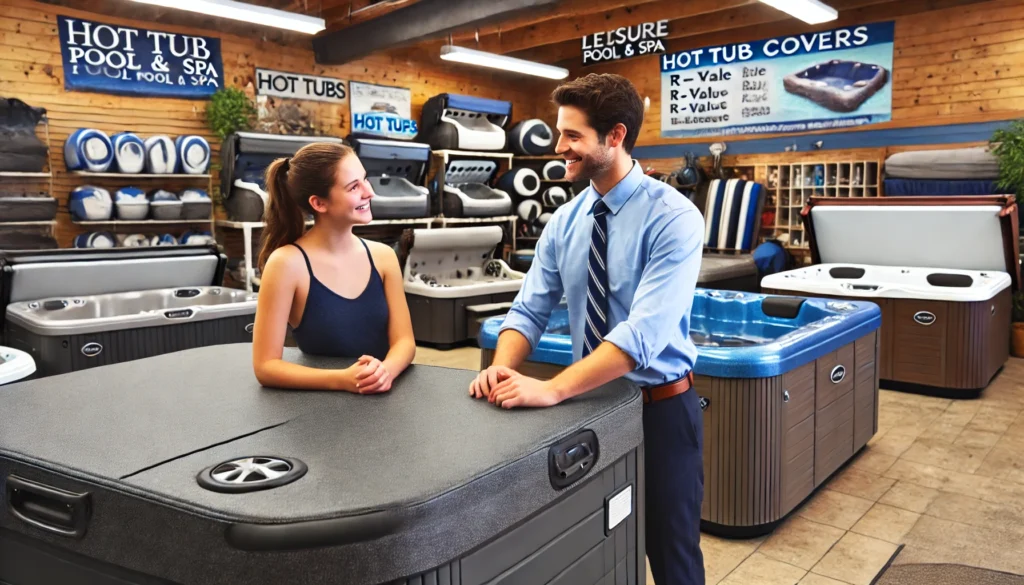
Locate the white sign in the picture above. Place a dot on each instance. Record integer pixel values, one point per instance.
(382, 110)
(625, 42)
(299, 86)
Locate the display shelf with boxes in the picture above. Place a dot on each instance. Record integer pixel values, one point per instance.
(790, 185)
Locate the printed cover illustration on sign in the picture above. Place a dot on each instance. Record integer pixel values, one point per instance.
(823, 80)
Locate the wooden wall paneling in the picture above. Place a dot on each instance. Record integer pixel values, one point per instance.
(31, 69)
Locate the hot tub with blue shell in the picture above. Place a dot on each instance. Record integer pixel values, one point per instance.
(790, 388)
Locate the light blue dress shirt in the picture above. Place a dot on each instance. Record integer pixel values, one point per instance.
(655, 242)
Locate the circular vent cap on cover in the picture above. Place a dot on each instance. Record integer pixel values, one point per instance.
(250, 474)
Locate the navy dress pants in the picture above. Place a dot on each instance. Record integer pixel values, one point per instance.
(674, 469)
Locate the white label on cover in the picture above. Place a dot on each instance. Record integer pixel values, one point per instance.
(620, 507)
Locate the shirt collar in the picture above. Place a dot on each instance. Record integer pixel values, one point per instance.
(621, 192)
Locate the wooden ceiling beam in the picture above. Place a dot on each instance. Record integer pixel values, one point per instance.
(565, 9)
(351, 13)
(415, 23)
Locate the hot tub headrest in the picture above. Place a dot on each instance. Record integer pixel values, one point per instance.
(846, 272)
(246, 155)
(782, 307)
(30, 275)
(732, 218)
(950, 280)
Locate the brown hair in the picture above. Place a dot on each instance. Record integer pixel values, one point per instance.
(607, 100)
(290, 182)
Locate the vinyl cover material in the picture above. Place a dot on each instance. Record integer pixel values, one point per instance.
(715, 267)
(20, 149)
(396, 484)
(957, 163)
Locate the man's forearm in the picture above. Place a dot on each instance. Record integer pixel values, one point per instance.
(605, 364)
(512, 349)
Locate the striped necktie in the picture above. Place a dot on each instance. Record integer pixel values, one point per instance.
(597, 283)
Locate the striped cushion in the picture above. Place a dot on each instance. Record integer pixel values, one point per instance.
(731, 219)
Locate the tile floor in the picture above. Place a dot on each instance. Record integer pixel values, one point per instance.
(943, 477)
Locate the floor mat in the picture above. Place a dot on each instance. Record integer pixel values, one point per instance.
(942, 574)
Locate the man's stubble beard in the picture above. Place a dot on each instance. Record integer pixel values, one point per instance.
(595, 164)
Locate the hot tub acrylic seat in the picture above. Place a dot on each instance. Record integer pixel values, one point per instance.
(791, 387)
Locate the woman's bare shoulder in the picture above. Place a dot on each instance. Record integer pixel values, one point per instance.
(285, 261)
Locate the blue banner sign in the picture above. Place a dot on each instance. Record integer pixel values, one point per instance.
(127, 60)
(814, 81)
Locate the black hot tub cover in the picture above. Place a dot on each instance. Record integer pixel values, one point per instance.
(393, 484)
(21, 151)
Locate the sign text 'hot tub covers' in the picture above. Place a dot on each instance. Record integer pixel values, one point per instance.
(813, 81)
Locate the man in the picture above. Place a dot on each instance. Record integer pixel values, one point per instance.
(626, 252)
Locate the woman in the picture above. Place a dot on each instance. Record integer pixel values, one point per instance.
(343, 296)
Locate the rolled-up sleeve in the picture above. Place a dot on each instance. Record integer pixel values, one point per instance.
(542, 288)
(666, 288)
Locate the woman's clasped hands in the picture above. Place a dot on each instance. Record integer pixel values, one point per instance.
(367, 376)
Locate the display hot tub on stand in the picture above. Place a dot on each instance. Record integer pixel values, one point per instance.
(73, 309)
(790, 387)
(942, 269)
(395, 169)
(182, 470)
(452, 281)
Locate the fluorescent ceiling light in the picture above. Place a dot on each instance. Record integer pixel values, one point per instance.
(247, 13)
(809, 11)
(495, 61)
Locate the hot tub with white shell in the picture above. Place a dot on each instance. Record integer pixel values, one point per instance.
(942, 269)
(453, 281)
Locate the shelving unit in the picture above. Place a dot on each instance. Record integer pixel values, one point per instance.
(248, 227)
(25, 178)
(790, 185)
(124, 179)
(536, 162)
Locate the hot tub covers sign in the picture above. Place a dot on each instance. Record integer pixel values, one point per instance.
(21, 151)
(841, 86)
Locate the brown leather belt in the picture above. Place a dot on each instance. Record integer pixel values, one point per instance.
(656, 393)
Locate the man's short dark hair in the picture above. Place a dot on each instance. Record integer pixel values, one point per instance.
(606, 99)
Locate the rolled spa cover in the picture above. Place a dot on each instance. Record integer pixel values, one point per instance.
(193, 154)
(135, 241)
(88, 149)
(89, 203)
(95, 240)
(554, 170)
(191, 238)
(520, 183)
(131, 203)
(164, 204)
(555, 196)
(129, 153)
(161, 158)
(531, 137)
(529, 210)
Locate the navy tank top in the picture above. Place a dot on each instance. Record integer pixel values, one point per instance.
(335, 326)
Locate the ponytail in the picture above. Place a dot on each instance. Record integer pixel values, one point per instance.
(290, 183)
(283, 217)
